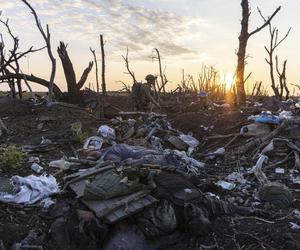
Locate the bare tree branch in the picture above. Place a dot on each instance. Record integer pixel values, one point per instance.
(127, 66)
(35, 79)
(267, 21)
(47, 39)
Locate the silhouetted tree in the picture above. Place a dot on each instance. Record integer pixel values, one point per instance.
(274, 43)
(243, 41)
(47, 39)
(103, 66)
(73, 86)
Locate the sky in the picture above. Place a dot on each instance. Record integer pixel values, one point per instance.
(188, 34)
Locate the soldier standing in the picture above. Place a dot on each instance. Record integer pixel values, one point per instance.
(142, 95)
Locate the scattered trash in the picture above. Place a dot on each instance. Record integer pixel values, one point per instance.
(255, 129)
(268, 118)
(46, 203)
(45, 141)
(33, 159)
(156, 143)
(279, 171)
(226, 185)
(190, 141)
(294, 226)
(188, 160)
(268, 148)
(297, 214)
(212, 195)
(93, 142)
(225, 105)
(107, 132)
(145, 175)
(289, 101)
(60, 164)
(216, 153)
(236, 177)
(36, 168)
(296, 180)
(178, 143)
(204, 128)
(288, 115)
(257, 104)
(219, 151)
(30, 189)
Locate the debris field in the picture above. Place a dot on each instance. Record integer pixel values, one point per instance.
(221, 178)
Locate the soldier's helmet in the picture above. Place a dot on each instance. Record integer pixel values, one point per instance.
(150, 77)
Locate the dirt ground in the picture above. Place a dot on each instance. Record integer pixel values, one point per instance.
(229, 232)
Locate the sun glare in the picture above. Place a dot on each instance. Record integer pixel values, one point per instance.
(229, 77)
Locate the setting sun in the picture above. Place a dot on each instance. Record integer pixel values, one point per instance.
(229, 78)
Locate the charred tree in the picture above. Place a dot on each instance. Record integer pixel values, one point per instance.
(73, 86)
(274, 43)
(282, 79)
(96, 66)
(129, 71)
(100, 101)
(47, 39)
(31, 78)
(243, 41)
(103, 65)
(9, 62)
(161, 74)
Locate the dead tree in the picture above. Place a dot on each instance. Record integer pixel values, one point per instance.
(282, 79)
(96, 66)
(243, 41)
(100, 113)
(129, 71)
(274, 43)
(296, 85)
(47, 39)
(162, 75)
(103, 65)
(73, 86)
(207, 78)
(183, 81)
(31, 78)
(256, 90)
(126, 87)
(10, 61)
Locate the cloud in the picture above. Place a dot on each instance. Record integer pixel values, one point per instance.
(137, 27)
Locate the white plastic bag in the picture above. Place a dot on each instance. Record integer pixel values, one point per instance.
(107, 132)
(31, 189)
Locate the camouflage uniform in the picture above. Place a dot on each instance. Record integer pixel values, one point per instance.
(142, 95)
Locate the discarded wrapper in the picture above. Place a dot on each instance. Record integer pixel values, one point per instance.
(107, 132)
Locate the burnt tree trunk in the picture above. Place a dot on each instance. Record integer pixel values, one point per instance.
(282, 79)
(73, 86)
(31, 78)
(160, 71)
(103, 65)
(100, 110)
(241, 54)
(274, 43)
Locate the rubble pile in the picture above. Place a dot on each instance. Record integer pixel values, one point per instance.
(139, 183)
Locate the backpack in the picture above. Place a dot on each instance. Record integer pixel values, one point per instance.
(136, 89)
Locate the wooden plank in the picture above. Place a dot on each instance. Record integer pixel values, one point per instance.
(133, 207)
(78, 188)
